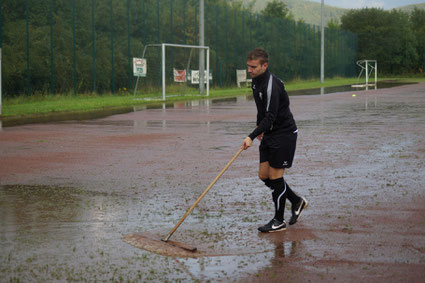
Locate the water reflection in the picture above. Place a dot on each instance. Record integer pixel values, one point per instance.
(368, 103)
(97, 114)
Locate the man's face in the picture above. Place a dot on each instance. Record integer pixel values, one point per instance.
(255, 68)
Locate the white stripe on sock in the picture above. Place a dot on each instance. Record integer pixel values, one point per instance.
(278, 199)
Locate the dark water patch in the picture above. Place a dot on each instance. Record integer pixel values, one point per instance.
(98, 114)
(344, 88)
(224, 100)
(63, 116)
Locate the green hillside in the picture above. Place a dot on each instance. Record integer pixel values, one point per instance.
(309, 11)
(410, 8)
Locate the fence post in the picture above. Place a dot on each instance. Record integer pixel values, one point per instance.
(94, 45)
(243, 36)
(423, 58)
(52, 67)
(143, 23)
(227, 43)
(206, 25)
(202, 51)
(28, 47)
(171, 22)
(235, 44)
(73, 48)
(196, 21)
(171, 61)
(322, 43)
(217, 70)
(1, 47)
(184, 23)
(157, 21)
(112, 49)
(128, 46)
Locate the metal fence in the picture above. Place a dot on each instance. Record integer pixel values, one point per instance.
(81, 46)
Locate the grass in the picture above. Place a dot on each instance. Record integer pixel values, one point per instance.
(38, 105)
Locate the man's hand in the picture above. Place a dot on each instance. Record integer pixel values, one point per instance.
(260, 136)
(247, 142)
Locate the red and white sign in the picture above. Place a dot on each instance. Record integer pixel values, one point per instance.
(179, 75)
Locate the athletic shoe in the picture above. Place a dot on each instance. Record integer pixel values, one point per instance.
(273, 226)
(297, 209)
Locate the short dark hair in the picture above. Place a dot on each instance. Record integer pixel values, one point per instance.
(258, 54)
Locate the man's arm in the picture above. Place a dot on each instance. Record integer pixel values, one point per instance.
(271, 110)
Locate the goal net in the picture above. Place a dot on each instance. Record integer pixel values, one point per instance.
(367, 66)
(172, 70)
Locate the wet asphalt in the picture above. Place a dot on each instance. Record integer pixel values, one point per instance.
(71, 190)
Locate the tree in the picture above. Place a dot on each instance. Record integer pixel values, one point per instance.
(386, 36)
(333, 24)
(417, 17)
(277, 9)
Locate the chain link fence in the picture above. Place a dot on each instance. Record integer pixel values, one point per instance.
(83, 46)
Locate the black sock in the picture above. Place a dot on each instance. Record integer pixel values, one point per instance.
(291, 195)
(267, 182)
(279, 197)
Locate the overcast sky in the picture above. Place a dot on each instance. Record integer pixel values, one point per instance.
(357, 4)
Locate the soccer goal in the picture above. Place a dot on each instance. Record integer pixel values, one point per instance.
(173, 69)
(367, 66)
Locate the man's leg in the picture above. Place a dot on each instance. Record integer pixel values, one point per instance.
(279, 191)
(273, 178)
(291, 195)
(264, 174)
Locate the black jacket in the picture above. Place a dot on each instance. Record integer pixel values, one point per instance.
(271, 98)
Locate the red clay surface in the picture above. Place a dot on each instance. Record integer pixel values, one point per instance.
(70, 191)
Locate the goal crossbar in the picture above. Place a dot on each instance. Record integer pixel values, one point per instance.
(163, 46)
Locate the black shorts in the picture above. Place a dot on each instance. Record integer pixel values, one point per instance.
(278, 150)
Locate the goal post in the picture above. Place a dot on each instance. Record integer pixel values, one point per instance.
(169, 72)
(367, 66)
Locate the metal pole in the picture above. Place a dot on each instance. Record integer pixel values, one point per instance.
(1, 85)
(201, 51)
(322, 44)
(74, 47)
(28, 48)
(376, 72)
(163, 71)
(112, 49)
(367, 72)
(94, 45)
(157, 21)
(208, 72)
(1, 45)
(130, 82)
(52, 62)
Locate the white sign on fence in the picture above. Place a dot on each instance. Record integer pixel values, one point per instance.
(139, 67)
(195, 76)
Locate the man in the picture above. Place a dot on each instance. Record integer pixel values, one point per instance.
(277, 131)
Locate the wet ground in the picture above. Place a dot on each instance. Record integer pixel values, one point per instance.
(102, 113)
(70, 191)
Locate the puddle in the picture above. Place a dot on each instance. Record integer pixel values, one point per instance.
(71, 191)
(97, 114)
(58, 230)
(333, 89)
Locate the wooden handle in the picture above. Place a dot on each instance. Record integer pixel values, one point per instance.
(202, 195)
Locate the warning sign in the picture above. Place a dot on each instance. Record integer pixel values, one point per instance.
(139, 67)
